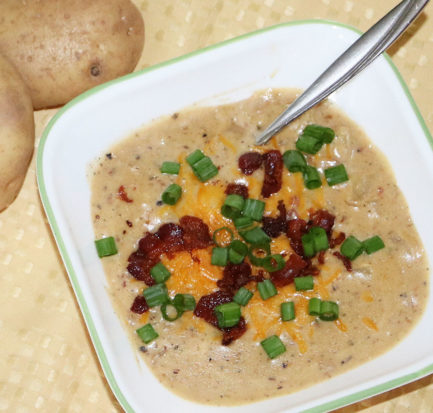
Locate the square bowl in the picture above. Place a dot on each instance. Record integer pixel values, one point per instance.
(289, 55)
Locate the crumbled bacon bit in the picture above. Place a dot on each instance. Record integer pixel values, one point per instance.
(333, 242)
(324, 219)
(249, 162)
(310, 268)
(259, 277)
(233, 333)
(121, 194)
(294, 267)
(235, 276)
(295, 229)
(139, 267)
(170, 238)
(237, 189)
(321, 257)
(149, 243)
(196, 233)
(275, 226)
(206, 306)
(205, 309)
(139, 306)
(170, 233)
(347, 263)
(273, 173)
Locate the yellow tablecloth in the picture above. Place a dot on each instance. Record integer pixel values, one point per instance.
(47, 361)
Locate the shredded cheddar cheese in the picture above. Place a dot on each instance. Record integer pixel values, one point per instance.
(367, 297)
(281, 245)
(144, 317)
(227, 143)
(194, 274)
(318, 200)
(370, 323)
(340, 325)
(254, 187)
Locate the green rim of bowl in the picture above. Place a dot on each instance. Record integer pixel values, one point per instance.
(380, 388)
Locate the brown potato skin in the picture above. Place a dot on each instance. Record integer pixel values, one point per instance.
(17, 132)
(64, 47)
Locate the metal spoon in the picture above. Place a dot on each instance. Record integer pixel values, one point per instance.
(359, 55)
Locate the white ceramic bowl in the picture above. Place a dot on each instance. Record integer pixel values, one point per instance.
(289, 55)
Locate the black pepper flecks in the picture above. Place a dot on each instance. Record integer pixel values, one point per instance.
(346, 360)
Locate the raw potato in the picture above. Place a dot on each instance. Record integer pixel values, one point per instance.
(17, 132)
(64, 47)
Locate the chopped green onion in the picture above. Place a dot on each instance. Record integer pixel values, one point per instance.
(220, 256)
(320, 239)
(167, 316)
(373, 244)
(156, 295)
(336, 175)
(232, 207)
(324, 134)
(147, 333)
(106, 247)
(314, 306)
(288, 311)
(222, 229)
(266, 289)
(352, 248)
(294, 161)
(273, 346)
(160, 273)
(254, 209)
(312, 178)
(243, 223)
(205, 169)
(308, 144)
(304, 283)
(243, 296)
(194, 157)
(228, 314)
(256, 237)
(172, 194)
(184, 302)
(237, 251)
(171, 168)
(308, 244)
(229, 213)
(328, 311)
(273, 263)
(257, 255)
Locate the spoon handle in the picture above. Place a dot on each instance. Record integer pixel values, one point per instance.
(359, 55)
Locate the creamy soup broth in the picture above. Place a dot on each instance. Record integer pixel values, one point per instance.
(380, 300)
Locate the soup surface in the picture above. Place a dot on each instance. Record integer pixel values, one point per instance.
(380, 298)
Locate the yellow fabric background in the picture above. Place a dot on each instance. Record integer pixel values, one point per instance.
(47, 361)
